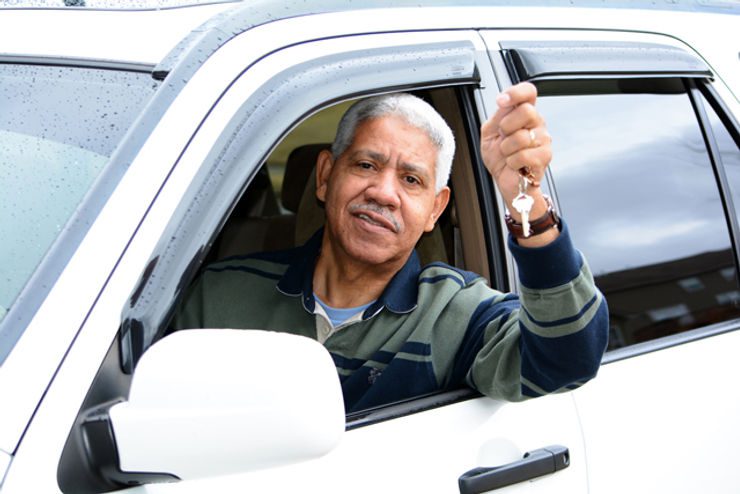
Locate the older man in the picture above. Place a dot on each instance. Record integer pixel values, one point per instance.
(396, 329)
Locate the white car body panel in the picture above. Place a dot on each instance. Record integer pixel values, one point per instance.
(4, 464)
(142, 180)
(677, 398)
(415, 455)
(395, 455)
(159, 149)
(96, 34)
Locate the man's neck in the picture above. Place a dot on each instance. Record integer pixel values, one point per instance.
(340, 281)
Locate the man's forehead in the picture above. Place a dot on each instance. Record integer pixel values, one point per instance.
(392, 119)
(370, 140)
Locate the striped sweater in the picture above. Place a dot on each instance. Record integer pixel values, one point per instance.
(433, 328)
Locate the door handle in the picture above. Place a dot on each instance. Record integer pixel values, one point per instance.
(534, 464)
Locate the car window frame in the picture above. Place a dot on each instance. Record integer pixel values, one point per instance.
(183, 239)
(480, 70)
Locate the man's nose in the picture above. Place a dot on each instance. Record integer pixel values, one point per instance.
(384, 189)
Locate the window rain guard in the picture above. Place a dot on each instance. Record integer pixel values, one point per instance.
(529, 61)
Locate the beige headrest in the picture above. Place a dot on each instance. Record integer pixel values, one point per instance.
(298, 169)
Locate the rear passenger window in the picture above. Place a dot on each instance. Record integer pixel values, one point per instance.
(636, 186)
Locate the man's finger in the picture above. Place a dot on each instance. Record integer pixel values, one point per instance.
(524, 92)
(489, 129)
(509, 101)
(522, 139)
(492, 126)
(536, 159)
(524, 116)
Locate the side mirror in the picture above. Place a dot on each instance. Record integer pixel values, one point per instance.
(216, 402)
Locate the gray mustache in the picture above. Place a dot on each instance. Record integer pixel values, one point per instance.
(384, 212)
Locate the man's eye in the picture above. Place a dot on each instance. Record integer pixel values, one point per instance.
(365, 165)
(411, 180)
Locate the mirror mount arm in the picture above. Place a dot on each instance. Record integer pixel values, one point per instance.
(102, 453)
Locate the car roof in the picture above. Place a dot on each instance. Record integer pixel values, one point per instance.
(93, 29)
(143, 36)
(693, 5)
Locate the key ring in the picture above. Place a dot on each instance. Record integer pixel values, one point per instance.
(526, 172)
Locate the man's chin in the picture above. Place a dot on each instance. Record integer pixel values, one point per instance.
(374, 253)
(374, 258)
(378, 247)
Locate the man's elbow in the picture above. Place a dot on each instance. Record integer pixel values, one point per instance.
(564, 363)
(600, 331)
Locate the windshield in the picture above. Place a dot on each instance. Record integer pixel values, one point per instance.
(58, 127)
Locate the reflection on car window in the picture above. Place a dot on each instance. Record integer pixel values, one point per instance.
(58, 127)
(730, 155)
(635, 183)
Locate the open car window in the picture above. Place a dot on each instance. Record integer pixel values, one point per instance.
(279, 210)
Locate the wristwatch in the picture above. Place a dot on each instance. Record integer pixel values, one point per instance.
(536, 226)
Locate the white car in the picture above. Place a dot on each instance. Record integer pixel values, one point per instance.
(138, 145)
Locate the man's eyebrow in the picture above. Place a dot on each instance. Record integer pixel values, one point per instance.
(417, 169)
(367, 153)
(382, 158)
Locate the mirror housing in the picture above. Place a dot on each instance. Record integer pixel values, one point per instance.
(207, 402)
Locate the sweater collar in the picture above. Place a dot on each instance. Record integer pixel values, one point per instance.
(399, 295)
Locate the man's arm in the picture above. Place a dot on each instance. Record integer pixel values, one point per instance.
(550, 339)
(515, 141)
(555, 339)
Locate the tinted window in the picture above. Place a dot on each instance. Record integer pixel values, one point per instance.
(729, 153)
(636, 185)
(58, 127)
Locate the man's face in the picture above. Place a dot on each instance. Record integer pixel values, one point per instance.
(380, 193)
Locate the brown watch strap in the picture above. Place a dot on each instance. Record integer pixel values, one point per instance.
(536, 227)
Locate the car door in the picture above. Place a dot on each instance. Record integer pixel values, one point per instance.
(645, 173)
(436, 438)
(479, 433)
(424, 444)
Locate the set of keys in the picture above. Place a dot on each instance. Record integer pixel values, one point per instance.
(523, 202)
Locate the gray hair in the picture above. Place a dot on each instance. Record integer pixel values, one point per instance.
(413, 110)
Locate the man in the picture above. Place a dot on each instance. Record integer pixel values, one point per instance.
(394, 329)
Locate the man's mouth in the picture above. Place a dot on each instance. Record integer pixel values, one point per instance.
(369, 219)
(376, 216)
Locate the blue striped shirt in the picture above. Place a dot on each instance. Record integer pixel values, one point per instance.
(434, 327)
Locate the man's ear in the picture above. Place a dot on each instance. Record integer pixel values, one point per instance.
(324, 164)
(440, 203)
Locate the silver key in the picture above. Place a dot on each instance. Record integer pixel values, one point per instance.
(523, 203)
